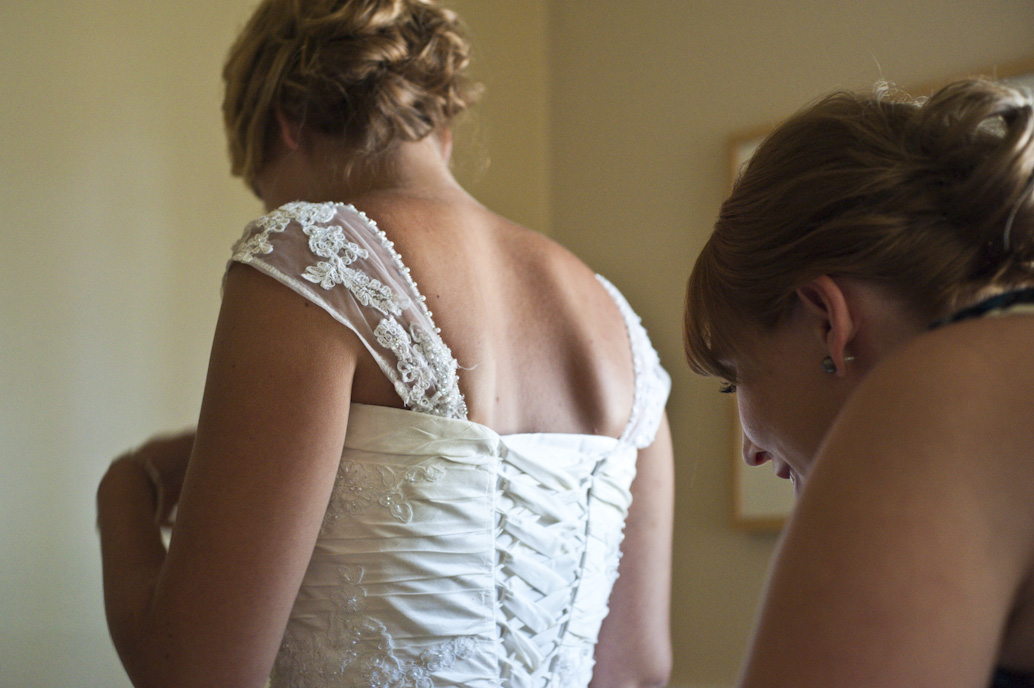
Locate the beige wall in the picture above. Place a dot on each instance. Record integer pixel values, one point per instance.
(117, 211)
(603, 124)
(502, 148)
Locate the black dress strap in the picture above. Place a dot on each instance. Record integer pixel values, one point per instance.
(994, 303)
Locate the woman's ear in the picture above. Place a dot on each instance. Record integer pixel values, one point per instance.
(290, 131)
(829, 309)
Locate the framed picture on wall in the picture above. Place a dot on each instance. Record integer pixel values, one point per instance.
(761, 501)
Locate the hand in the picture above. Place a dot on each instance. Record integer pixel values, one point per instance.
(164, 458)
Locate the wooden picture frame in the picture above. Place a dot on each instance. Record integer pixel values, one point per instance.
(760, 501)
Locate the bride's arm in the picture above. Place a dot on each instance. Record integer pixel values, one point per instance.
(634, 647)
(212, 610)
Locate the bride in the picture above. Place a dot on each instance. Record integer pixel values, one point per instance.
(428, 435)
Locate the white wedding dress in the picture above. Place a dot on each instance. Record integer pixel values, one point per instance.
(449, 555)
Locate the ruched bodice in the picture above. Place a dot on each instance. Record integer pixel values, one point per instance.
(449, 555)
(455, 555)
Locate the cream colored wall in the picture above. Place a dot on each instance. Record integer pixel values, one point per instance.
(502, 149)
(117, 214)
(603, 124)
(644, 95)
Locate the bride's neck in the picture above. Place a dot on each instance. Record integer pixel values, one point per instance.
(314, 173)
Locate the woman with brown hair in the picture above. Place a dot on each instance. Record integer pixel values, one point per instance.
(866, 292)
(423, 425)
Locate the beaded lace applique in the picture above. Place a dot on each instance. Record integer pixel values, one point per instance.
(330, 243)
(357, 651)
(420, 365)
(305, 214)
(424, 376)
(359, 486)
(572, 665)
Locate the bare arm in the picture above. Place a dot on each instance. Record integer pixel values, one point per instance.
(634, 647)
(211, 612)
(912, 537)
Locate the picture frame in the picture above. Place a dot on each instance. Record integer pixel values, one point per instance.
(761, 502)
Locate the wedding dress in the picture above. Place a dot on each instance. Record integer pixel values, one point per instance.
(449, 555)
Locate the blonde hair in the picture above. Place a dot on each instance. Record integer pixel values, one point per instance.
(931, 198)
(370, 73)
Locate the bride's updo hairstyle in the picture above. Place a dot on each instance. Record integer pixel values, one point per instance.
(930, 198)
(368, 73)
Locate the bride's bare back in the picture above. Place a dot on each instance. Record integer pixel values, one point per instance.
(541, 345)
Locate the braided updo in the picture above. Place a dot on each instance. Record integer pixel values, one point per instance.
(931, 198)
(371, 73)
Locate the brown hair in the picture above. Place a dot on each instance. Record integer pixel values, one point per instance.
(370, 73)
(931, 198)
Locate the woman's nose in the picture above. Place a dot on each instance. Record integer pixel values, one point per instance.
(753, 455)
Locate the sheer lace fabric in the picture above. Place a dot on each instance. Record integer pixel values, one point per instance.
(449, 555)
(337, 258)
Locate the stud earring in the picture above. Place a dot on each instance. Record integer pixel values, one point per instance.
(829, 366)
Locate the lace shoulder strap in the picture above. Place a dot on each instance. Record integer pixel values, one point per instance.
(652, 382)
(336, 257)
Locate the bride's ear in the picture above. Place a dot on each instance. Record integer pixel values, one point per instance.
(829, 313)
(290, 131)
(445, 143)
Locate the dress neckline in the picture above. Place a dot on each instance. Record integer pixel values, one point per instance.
(477, 430)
